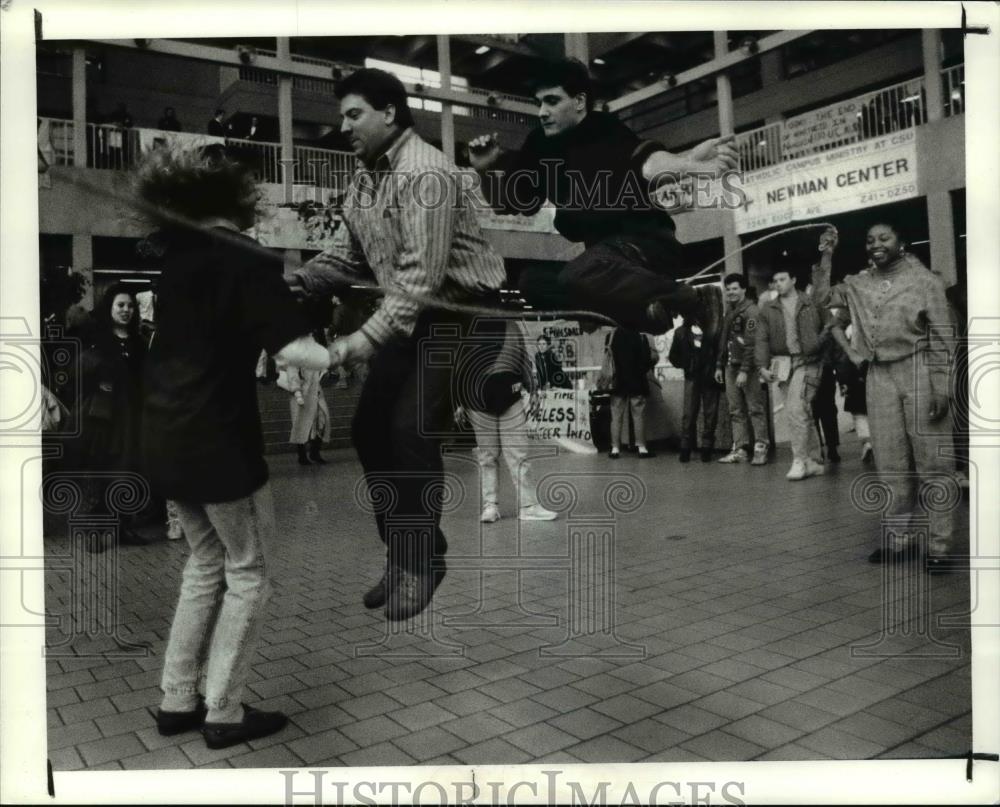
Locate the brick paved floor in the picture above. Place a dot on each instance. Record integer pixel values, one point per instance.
(738, 600)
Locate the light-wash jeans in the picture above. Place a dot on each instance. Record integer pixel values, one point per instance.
(637, 405)
(507, 435)
(800, 391)
(223, 595)
(746, 402)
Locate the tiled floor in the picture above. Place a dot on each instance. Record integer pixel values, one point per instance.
(746, 625)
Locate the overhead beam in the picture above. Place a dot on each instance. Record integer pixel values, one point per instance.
(498, 44)
(602, 43)
(709, 68)
(287, 67)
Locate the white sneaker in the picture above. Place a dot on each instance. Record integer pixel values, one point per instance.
(814, 468)
(490, 514)
(797, 471)
(736, 455)
(537, 513)
(867, 453)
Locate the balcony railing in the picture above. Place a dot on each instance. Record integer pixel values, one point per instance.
(890, 109)
(111, 147)
(117, 148)
(953, 81)
(485, 109)
(324, 168)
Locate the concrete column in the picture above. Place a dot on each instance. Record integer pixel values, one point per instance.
(577, 47)
(723, 87)
(285, 118)
(83, 262)
(770, 67)
(931, 39)
(724, 96)
(79, 107)
(447, 112)
(941, 232)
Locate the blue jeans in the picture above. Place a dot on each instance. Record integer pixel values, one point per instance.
(223, 595)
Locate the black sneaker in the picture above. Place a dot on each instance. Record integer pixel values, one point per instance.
(885, 555)
(170, 723)
(685, 455)
(255, 724)
(376, 596)
(129, 537)
(412, 594)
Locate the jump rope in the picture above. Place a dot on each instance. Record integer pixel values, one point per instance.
(159, 214)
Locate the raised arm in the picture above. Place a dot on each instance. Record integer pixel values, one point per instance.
(711, 158)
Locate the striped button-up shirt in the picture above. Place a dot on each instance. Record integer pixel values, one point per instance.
(408, 223)
(896, 312)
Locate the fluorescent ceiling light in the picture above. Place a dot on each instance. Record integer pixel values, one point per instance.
(482, 49)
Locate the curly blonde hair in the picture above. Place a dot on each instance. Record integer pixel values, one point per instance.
(186, 186)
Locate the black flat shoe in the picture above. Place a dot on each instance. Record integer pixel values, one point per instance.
(129, 537)
(255, 724)
(376, 596)
(169, 723)
(412, 594)
(885, 555)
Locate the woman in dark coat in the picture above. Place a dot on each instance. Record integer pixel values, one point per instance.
(633, 359)
(110, 404)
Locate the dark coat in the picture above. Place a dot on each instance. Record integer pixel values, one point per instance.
(698, 363)
(633, 361)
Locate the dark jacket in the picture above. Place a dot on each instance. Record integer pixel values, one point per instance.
(633, 360)
(550, 371)
(698, 363)
(739, 333)
(592, 173)
(110, 405)
(771, 338)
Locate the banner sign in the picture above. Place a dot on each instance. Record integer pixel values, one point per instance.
(570, 345)
(864, 174)
(563, 416)
(884, 110)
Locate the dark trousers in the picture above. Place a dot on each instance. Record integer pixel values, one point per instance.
(700, 395)
(404, 411)
(617, 277)
(824, 408)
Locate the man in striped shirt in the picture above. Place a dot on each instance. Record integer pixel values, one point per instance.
(408, 227)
